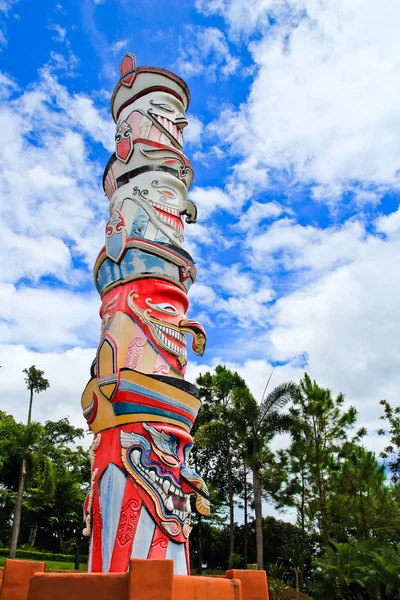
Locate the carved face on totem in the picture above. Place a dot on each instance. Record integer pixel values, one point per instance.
(156, 457)
(159, 307)
(155, 207)
(157, 116)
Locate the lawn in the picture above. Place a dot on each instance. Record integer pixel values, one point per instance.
(52, 565)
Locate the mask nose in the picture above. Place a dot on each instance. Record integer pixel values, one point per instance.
(180, 121)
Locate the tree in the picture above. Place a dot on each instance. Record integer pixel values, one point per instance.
(218, 433)
(391, 453)
(35, 382)
(366, 570)
(361, 505)
(296, 555)
(320, 427)
(257, 425)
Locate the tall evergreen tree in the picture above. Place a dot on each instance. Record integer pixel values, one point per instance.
(320, 432)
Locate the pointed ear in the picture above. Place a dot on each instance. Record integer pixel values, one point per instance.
(128, 70)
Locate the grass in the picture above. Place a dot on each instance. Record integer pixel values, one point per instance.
(52, 565)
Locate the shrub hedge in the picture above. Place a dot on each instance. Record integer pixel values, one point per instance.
(38, 555)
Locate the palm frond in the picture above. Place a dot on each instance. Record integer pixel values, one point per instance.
(278, 398)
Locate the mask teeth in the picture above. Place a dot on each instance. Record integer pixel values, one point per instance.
(169, 343)
(176, 224)
(171, 128)
(153, 479)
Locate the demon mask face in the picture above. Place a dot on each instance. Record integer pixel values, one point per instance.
(157, 460)
(163, 110)
(155, 208)
(160, 308)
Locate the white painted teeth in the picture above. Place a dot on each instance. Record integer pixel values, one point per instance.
(166, 486)
(187, 505)
(176, 224)
(136, 456)
(169, 343)
(152, 475)
(171, 128)
(169, 504)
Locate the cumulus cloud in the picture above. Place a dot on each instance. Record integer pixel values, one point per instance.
(323, 106)
(204, 52)
(67, 373)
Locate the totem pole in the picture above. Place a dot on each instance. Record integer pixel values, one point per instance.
(137, 403)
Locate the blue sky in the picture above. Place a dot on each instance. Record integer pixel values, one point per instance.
(294, 136)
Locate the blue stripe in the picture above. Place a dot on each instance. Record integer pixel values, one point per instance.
(128, 386)
(129, 408)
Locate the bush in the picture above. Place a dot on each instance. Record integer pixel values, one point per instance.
(43, 556)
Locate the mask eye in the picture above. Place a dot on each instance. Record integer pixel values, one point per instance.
(163, 307)
(162, 106)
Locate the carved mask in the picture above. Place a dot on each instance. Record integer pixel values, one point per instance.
(157, 460)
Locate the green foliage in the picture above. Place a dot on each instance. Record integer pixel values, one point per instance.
(35, 382)
(361, 505)
(364, 570)
(38, 555)
(57, 480)
(391, 453)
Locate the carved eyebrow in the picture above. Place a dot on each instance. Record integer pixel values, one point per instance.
(166, 442)
(162, 105)
(163, 307)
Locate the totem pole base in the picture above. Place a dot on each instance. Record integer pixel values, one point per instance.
(146, 580)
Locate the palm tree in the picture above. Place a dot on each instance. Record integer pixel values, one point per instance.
(35, 382)
(258, 424)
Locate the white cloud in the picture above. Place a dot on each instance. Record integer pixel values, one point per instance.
(67, 373)
(258, 212)
(60, 32)
(118, 46)
(210, 200)
(48, 318)
(247, 16)
(48, 178)
(323, 107)
(193, 132)
(204, 52)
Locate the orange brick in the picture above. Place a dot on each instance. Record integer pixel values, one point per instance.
(205, 588)
(17, 576)
(254, 583)
(150, 579)
(79, 586)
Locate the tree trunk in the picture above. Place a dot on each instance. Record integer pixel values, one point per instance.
(231, 515)
(320, 486)
(297, 583)
(20, 494)
(258, 511)
(18, 509)
(199, 547)
(322, 506)
(61, 541)
(32, 534)
(302, 500)
(245, 527)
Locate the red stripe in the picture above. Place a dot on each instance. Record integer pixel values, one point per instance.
(159, 545)
(96, 541)
(129, 518)
(187, 557)
(134, 398)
